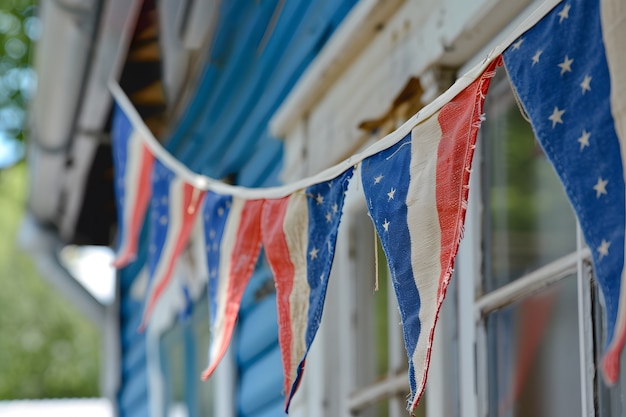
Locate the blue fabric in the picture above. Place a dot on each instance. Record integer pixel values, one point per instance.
(214, 214)
(325, 202)
(560, 74)
(121, 130)
(387, 183)
(159, 213)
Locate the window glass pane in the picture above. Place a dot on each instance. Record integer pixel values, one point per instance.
(533, 355)
(528, 219)
(372, 325)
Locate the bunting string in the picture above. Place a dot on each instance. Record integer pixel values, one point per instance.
(415, 182)
(205, 183)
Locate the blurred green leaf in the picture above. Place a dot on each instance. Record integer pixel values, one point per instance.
(47, 350)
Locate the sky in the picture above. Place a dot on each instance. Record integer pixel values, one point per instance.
(11, 151)
(91, 266)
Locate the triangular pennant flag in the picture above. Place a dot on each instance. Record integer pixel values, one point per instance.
(173, 209)
(232, 229)
(132, 162)
(299, 236)
(566, 72)
(416, 193)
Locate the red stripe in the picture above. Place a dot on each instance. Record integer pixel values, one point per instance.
(192, 199)
(243, 260)
(278, 256)
(141, 202)
(612, 357)
(459, 121)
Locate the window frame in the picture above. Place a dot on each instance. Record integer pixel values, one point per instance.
(474, 305)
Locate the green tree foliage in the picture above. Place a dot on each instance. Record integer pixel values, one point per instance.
(47, 350)
(18, 28)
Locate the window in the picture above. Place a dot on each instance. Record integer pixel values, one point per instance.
(184, 354)
(529, 315)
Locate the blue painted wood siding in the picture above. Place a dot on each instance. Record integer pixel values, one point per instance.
(260, 49)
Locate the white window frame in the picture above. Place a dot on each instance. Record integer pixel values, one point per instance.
(473, 307)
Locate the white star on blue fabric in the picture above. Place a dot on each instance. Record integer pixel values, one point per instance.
(517, 44)
(600, 187)
(536, 57)
(584, 139)
(378, 178)
(564, 13)
(391, 194)
(319, 199)
(555, 117)
(313, 253)
(585, 85)
(566, 65)
(603, 249)
(386, 225)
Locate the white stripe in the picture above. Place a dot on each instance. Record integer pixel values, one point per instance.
(296, 229)
(131, 184)
(205, 183)
(226, 251)
(613, 13)
(423, 220)
(173, 230)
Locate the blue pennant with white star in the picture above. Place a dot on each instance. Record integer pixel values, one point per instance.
(559, 71)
